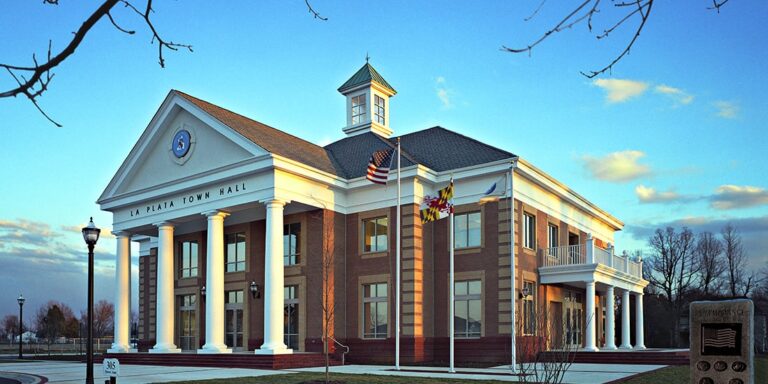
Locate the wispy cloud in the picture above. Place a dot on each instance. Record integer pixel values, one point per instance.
(617, 167)
(676, 94)
(621, 90)
(735, 197)
(726, 109)
(444, 94)
(648, 195)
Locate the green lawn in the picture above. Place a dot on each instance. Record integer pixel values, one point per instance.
(682, 374)
(295, 378)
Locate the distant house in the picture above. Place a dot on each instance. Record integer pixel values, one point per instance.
(26, 337)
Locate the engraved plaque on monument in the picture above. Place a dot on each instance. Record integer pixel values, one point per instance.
(722, 349)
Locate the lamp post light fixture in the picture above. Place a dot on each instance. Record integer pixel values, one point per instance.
(21, 300)
(254, 288)
(91, 236)
(202, 291)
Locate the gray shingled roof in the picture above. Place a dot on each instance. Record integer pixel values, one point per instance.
(436, 148)
(365, 75)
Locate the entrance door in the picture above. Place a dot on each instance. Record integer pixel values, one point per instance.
(233, 332)
(556, 314)
(573, 317)
(187, 324)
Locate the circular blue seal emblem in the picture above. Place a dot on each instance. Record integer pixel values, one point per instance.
(181, 143)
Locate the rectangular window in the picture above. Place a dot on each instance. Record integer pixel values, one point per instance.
(188, 255)
(235, 250)
(358, 109)
(529, 308)
(375, 311)
(233, 319)
(291, 243)
(467, 310)
(466, 230)
(379, 109)
(529, 231)
(187, 322)
(553, 236)
(291, 317)
(375, 235)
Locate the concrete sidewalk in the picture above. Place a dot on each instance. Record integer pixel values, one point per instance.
(72, 372)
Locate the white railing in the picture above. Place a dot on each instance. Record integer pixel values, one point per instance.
(565, 255)
(602, 256)
(619, 263)
(635, 268)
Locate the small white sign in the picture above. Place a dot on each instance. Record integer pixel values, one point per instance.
(111, 367)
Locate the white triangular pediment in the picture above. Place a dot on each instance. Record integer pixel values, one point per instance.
(152, 161)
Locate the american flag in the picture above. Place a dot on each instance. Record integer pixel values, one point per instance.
(378, 166)
(719, 338)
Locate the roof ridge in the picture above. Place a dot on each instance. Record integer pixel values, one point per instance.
(246, 117)
(464, 136)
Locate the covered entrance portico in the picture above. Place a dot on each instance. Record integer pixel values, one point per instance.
(594, 270)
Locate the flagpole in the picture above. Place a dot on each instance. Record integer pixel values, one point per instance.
(512, 332)
(397, 267)
(450, 290)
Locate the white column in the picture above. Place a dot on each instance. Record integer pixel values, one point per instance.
(590, 249)
(122, 342)
(610, 322)
(589, 343)
(214, 285)
(273, 281)
(625, 344)
(639, 332)
(165, 298)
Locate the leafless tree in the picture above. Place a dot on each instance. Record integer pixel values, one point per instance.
(587, 10)
(709, 252)
(32, 79)
(103, 318)
(673, 270)
(536, 366)
(11, 326)
(739, 281)
(327, 303)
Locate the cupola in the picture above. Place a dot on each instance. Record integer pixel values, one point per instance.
(367, 102)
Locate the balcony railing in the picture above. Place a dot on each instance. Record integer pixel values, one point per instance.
(589, 253)
(565, 255)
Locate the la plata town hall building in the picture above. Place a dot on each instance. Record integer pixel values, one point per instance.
(236, 219)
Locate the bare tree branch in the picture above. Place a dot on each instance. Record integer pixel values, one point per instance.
(314, 13)
(638, 8)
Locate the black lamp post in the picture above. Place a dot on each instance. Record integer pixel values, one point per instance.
(21, 300)
(91, 236)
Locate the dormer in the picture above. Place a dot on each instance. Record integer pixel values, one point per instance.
(367, 102)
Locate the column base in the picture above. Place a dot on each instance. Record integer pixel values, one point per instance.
(213, 349)
(625, 347)
(165, 348)
(609, 348)
(590, 349)
(276, 351)
(640, 347)
(121, 349)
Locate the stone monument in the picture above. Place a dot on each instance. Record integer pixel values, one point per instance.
(722, 337)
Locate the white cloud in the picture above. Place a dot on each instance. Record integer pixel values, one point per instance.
(726, 109)
(735, 196)
(444, 94)
(650, 195)
(617, 167)
(676, 94)
(620, 90)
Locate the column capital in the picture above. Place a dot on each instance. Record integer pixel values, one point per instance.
(161, 224)
(215, 213)
(122, 234)
(273, 201)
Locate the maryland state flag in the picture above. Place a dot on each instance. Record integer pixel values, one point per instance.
(437, 207)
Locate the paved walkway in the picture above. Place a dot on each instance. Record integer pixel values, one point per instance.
(72, 372)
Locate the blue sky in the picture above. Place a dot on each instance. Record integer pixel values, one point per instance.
(674, 134)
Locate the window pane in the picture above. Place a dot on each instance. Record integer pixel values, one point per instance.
(474, 287)
(474, 229)
(460, 231)
(474, 318)
(381, 290)
(381, 319)
(369, 236)
(460, 288)
(460, 318)
(381, 234)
